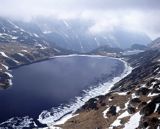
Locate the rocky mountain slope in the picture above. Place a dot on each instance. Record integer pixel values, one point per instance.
(155, 44)
(107, 51)
(13, 55)
(21, 44)
(72, 34)
(133, 103)
(76, 34)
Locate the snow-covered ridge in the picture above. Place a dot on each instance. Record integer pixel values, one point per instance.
(46, 118)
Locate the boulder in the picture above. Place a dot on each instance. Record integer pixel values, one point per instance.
(150, 82)
(112, 110)
(142, 104)
(148, 109)
(154, 122)
(134, 102)
(131, 110)
(142, 91)
(145, 124)
(89, 105)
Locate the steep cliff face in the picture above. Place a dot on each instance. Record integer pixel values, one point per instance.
(134, 102)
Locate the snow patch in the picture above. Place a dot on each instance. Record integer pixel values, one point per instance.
(152, 95)
(3, 54)
(109, 99)
(14, 60)
(124, 114)
(133, 121)
(66, 23)
(24, 51)
(126, 105)
(47, 32)
(56, 50)
(157, 105)
(20, 54)
(14, 37)
(8, 74)
(17, 123)
(5, 66)
(10, 82)
(35, 35)
(134, 96)
(121, 93)
(117, 122)
(105, 112)
(118, 109)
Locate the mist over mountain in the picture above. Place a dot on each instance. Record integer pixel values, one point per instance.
(73, 34)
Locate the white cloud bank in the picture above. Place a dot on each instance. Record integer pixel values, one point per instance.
(138, 15)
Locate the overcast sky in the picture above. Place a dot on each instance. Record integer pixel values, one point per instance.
(137, 15)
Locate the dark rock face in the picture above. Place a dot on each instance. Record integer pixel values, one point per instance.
(143, 58)
(150, 123)
(142, 104)
(156, 88)
(112, 110)
(98, 127)
(149, 83)
(138, 47)
(20, 58)
(156, 100)
(10, 62)
(154, 122)
(91, 104)
(148, 109)
(144, 125)
(134, 102)
(131, 110)
(4, 80)
(142, 91)
(155, 44)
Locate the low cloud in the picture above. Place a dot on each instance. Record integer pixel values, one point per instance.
(138, 15)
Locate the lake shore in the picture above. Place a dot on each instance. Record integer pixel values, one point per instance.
(69, 110)
(100, 90)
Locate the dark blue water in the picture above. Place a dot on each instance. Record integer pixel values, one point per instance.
(48, 84)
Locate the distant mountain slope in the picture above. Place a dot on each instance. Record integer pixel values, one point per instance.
(138, 47)
(107, 51)
(155, 44)
(10, 32)
(67, 34)
(75, 34)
